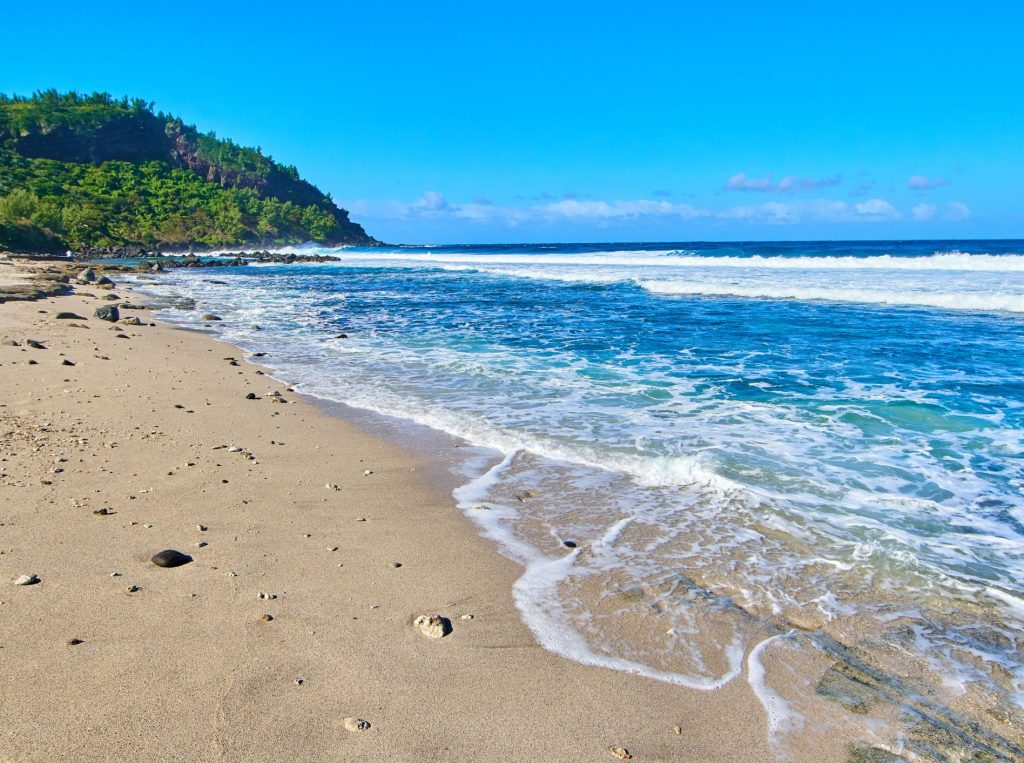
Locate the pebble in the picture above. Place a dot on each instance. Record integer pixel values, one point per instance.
(202, 544)
(367, 473)
(170, 558)
(466, 617)
(115, 574)
(66, 362)
(332, 548)
(26, 580)
(396, 565)
(104, 512)
(360, 519)
(677, 730)
(267, 596)
(621, 753)
(75, 641)
(134, 589)
(251, 396)
(433, 626)
(267, 618)
(356, 724)
(569, 543)
(201, 528)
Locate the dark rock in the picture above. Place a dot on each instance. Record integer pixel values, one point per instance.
(11, 343)
(171, 558)
(104, 281)
(65, 316)
(569, 543)
(67, 362)
(75, 641)
(35, 345)
(107, 313)
(33, 362)
(211, 317)
(251, 396)
(87, 275)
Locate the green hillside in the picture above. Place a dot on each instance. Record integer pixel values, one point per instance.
(88, 171)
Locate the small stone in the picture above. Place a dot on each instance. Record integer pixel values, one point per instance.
(267, 618)
(251, 396)
(11, 343)
(210, 317)
(367, 473)
(332, 548)
(466, 617)
(115, 574)
(104, 512)
(569, 543)
(267, 596)
(677, 730)
(67, 362)
(201, 528)
(356, 724)
(202, 544)
(170, 558)
(332, 486)
(26, 580)
(66, 316)
(621, 753)
(396, 565)
(134, 589)
(75, 641)
(35, 345)
(299, 681)
(107, 313)
(148, 526)
(433, 626)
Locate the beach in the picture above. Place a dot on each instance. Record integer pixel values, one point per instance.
(182, 663)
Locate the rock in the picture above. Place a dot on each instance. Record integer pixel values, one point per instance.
(356, 725)
(251, 396)
(396, 565)
(134, 589)
(621, 753)
(466, 617)
(170, 558)
(104, 512)
(211, 317)
(66, 316)
(88, 275)
(107, 313)
(267, 618)
(433, 626)
(569, 543)
(34, 344)
(110, 297)
(267, 596)
(132, 321)
(67, 362)
(11, 343)
(26, 580)
(677, 730)
(104, 281)
(75, 641)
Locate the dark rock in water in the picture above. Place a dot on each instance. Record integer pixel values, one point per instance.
(67, 362)
(35, 345)
(65, 316)
(171, 558)
(251, 396)
(341, 336)
(218, 283)
(107, 313)
(211, 317)
(569, 543)
(87, 275)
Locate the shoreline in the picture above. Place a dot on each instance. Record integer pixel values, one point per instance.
(186, 664)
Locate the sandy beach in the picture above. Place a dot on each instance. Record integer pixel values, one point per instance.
(110, 657)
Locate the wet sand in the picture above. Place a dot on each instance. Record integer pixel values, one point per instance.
(187, 667)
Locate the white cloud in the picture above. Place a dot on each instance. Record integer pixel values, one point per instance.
(877, 209)
(431, 201)
(957, 211)
(924, 183)
(789, 184)
(922, 212)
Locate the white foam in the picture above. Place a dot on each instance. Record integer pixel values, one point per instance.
(944, 300)
(775, 707)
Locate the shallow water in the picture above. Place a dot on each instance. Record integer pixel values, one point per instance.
(738, 440)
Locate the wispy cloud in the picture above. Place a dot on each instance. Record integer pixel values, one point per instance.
(433, 205)
(923, 212)
(956, 211)
(789, 184)
(925, 183)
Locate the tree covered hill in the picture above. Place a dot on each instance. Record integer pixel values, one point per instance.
(86, 171)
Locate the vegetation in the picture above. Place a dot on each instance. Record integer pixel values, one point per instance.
(80, 171)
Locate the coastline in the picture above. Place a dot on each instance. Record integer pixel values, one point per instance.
(186, 666)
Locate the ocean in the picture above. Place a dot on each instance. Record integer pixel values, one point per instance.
(693, 448)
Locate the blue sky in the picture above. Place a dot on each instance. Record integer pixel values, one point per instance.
(548, 121)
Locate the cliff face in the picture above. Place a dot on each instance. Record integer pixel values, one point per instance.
(263, 202)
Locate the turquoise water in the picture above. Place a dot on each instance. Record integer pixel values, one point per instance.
(827, 435)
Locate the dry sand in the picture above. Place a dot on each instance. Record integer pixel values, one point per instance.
(186, 667)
